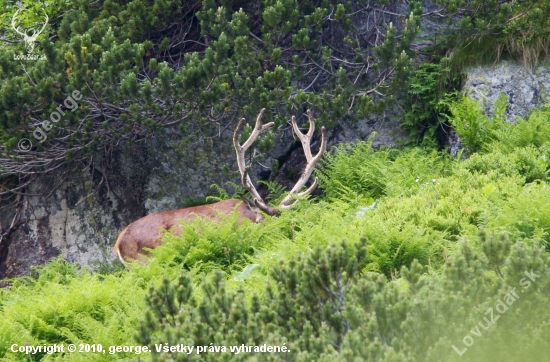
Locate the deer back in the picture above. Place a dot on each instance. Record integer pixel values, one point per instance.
(147, 231)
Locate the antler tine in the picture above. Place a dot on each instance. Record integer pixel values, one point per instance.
(309, 189)
(236, 133)
(311, 124)
(241, 149)
(311, 161)
(258, 128)
(305, 138)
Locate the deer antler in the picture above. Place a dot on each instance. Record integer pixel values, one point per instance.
(240, 150)
(311, 161)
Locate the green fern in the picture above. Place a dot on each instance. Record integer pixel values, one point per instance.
(223, 194)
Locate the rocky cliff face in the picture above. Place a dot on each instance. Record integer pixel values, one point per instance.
(525, 87)
(78, 220)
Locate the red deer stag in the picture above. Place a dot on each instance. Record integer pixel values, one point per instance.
(146, 233)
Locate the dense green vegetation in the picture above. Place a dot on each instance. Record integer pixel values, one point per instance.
(400, 257)
(474, 226)
(198, 66)
(321, 309)
(492, 29)
(143, 66)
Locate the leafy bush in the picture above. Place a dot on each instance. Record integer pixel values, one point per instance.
(385, 172)
(206, 245)
(66, 305)
(431, 88)
(526, 216)
(472, 125)
(532, 132)
(527, 162)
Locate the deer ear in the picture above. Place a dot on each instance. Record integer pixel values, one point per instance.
(249, 203)
(254, 207)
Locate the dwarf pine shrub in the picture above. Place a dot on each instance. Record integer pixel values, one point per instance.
(320, 307)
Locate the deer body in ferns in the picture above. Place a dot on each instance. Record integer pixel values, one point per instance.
(146, 233)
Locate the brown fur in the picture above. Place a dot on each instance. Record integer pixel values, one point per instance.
(147, 231)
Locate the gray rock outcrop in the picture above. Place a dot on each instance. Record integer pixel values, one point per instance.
(525, 87)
